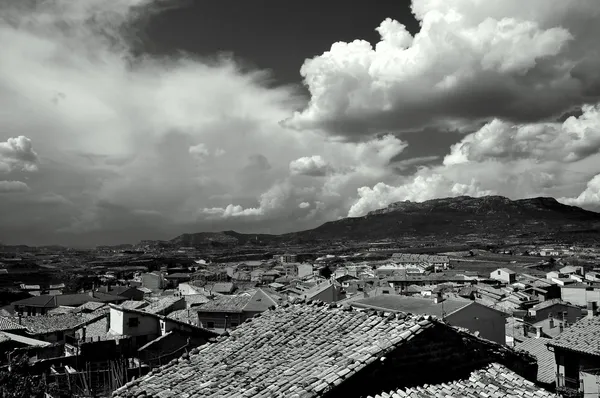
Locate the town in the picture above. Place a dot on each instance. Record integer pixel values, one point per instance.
(304, 322)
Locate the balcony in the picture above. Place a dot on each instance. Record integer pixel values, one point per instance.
(568, 387)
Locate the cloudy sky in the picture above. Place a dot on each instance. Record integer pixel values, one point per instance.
(124, 120)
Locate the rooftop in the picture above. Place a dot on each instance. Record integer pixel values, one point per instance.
(162, 305)
(494, 380)
(41, 324)
(252, 354)
(545, 358)
(583, 336)
(413, 305)
(8, 324)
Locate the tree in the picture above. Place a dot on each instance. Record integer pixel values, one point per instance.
(19, 383)
(326, 272)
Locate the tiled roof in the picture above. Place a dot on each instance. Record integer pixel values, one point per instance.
(69, 300)
(223, 287)
(414, 305)
(3, 338)
(61, 310)
(322, 345)
(40, 324)
(234, 303)
(545, 358)
(90, 306)
(187, 315)
(133, 304)
(162, 305)
(193, 300)
(583, 336)
(8, 324)
(549, 303)
(494, 381)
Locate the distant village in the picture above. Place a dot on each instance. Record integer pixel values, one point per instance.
(375, 322)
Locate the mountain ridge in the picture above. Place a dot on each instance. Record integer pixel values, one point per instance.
(493, 217)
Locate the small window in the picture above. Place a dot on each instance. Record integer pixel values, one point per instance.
(499, 272)
(133, 322)
(210, 325)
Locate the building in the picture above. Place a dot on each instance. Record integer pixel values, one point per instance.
(486, 322)
(317, 350)
(154, 280)
(230, 311)
(537, 346)
(504, 275)
(37, 290)
(494, 378)
(432, 262)
(393, 269)
(40, 305)
(577, 355)
(557, 309)
(129, 292)
(580, 293)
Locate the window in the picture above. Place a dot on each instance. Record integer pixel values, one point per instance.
(133, 322)
(499, 272)
(210, 325)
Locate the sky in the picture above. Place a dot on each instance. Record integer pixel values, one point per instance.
(124, 120)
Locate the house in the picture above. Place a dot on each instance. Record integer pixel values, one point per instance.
(580, 293)
(434, 262)
(40, 305)
(555, 308)
(317, 350)
(129, 292)
(402, 269)
(10, 326)
(344, 280)
(154, 280)
(226, 312)
(187, 289)
(571, 270)
(577, 355)
(494, 378)
(165, 305)
(144, 327)
(486, 322)
(327, 292)
(504, 275)
(221, 288)
(56, 328)
(37, 290)
(537, 346)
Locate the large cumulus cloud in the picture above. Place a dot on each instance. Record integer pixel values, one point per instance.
(470, 61)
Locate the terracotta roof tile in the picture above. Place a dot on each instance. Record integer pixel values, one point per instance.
(321, 345)
(494, 381)
(40, 324)
(9, 324)
(582, 336)
(545, 358)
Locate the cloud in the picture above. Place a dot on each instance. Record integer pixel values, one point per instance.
(18, 154)
(469, 62)
(314, 166)
(13, 187)
(589, 198)
(304, 205)
(419, 189)
(573, 140)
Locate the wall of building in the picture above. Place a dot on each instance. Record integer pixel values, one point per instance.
(573, 313)
(305, 270)
(120, 324)
(579, 296)
(476, 317)
(216, 320)
(573, 367)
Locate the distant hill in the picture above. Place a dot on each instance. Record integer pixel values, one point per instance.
(464, 217)
(225, 238)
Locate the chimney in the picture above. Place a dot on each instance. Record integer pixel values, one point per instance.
(560, 327)
(525, 330)
(538, 332)
(551, 320)
(592, 309)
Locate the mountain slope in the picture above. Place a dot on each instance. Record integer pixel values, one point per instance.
(458, 218)
(464, 217)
